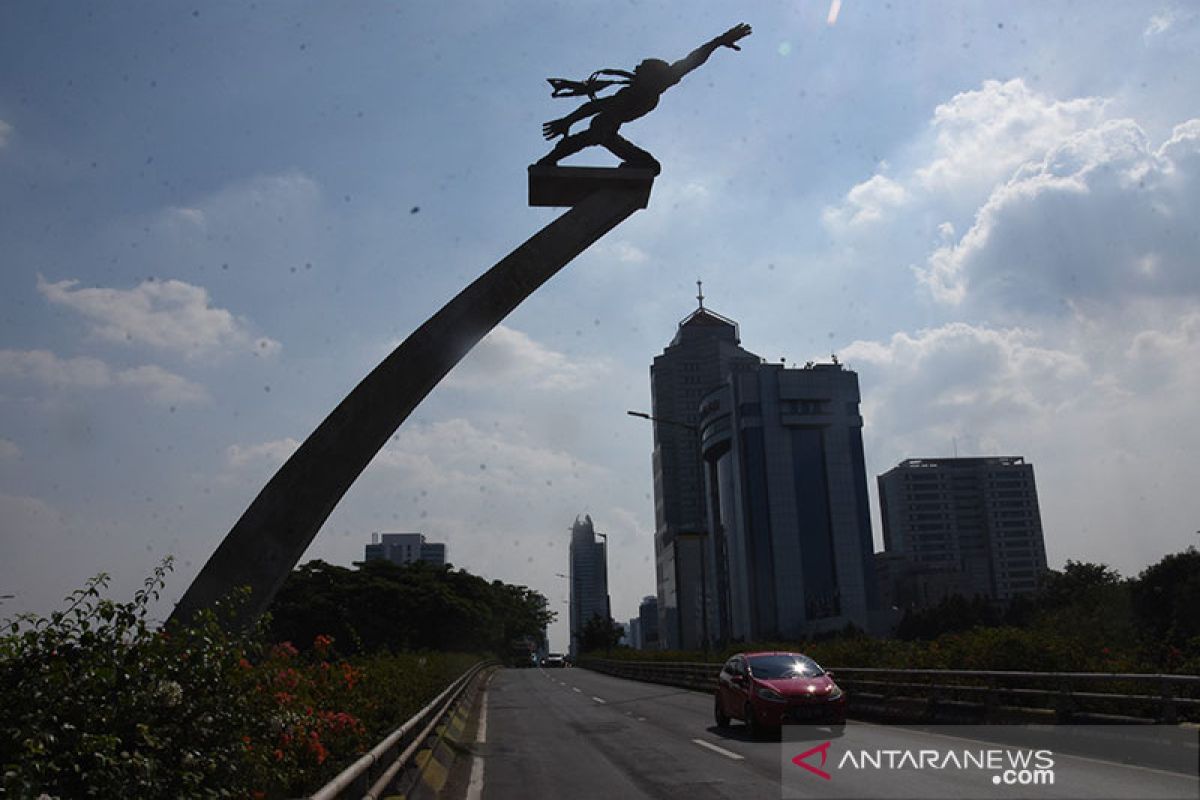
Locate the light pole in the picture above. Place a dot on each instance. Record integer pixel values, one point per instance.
(703, 534)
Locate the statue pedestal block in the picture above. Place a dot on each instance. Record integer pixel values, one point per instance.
(567, 186)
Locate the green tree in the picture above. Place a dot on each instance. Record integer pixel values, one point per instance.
(599, 633)
(1166, 605)
(380, 606)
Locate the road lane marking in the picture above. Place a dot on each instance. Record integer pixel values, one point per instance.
(576, 689)
(721, 750)
(599, 700)
(641, 719)
(475, 785)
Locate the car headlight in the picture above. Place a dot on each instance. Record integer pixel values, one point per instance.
(835, 693)
(770, 694)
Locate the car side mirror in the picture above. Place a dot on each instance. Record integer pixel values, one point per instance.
(829, 674)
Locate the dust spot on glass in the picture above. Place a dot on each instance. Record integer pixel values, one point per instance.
(414, 209)
(267, 388)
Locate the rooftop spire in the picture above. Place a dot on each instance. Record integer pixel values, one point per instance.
(700, 292)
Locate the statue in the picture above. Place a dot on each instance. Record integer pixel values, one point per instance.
(640, 95)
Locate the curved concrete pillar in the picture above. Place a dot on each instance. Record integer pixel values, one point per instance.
(273, 533)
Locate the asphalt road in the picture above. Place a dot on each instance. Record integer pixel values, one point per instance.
(572, 733)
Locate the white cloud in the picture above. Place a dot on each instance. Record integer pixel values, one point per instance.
(961, 375)
(44, 367)
(162, 387)
(1102, 217)
(508, 357)
(981, 136)
(270, 454)
(169, 315)
(5, 130)
(866, 203)
(444, 454)
(1166, 20)
(1104, 413)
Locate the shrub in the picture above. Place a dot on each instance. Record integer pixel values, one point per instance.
(98, 703)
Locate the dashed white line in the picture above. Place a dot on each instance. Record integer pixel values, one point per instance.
(715, 749)
(600, 700)
(576, 689)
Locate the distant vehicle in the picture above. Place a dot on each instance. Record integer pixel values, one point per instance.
(767, 690)
(554, 660)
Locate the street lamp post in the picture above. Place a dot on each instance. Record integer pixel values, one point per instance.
(695, 431)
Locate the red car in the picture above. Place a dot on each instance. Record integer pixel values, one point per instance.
(767, 690)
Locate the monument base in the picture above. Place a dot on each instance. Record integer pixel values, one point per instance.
(557, 186)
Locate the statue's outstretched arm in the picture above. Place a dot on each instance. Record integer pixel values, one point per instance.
(698, 56)
(562, 125)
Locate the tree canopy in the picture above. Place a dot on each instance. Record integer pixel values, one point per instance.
(381, 606)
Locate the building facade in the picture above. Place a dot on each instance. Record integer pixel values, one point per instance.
(648, 623)
(790, 552)
(702, 353)
(973, 522)
(588, 578)
(405, 548)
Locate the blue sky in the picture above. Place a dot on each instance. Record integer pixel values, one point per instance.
(216, 218)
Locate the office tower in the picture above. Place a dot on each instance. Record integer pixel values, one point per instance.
(405, 548)
(790, 552)
(974, 520)
(648, 623)
(588, 577)
(700, 356)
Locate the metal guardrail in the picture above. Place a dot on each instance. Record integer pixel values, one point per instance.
(986, 694)
(372, 774)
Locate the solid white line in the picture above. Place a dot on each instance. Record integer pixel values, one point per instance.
(598, 700)
(481, 731)
(475, 786)
(715, 749)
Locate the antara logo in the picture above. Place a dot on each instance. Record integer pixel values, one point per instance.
(823, 749)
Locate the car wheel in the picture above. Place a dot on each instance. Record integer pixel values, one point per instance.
(719, 715)
(752, 727)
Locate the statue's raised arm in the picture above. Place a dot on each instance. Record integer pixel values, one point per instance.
(642, 89)
(698, 56)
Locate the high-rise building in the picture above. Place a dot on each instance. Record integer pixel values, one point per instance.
(702, 353)
(588, 577)
(790, 550)
(975, 519)
(405, 548)
(648, 623)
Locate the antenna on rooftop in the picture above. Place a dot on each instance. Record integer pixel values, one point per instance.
(700, 292)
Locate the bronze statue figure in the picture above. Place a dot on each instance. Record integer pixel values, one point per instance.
(640, 94)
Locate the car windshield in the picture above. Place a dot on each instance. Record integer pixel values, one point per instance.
(784, 666)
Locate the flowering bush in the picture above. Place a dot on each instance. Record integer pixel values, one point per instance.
(98, 703)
